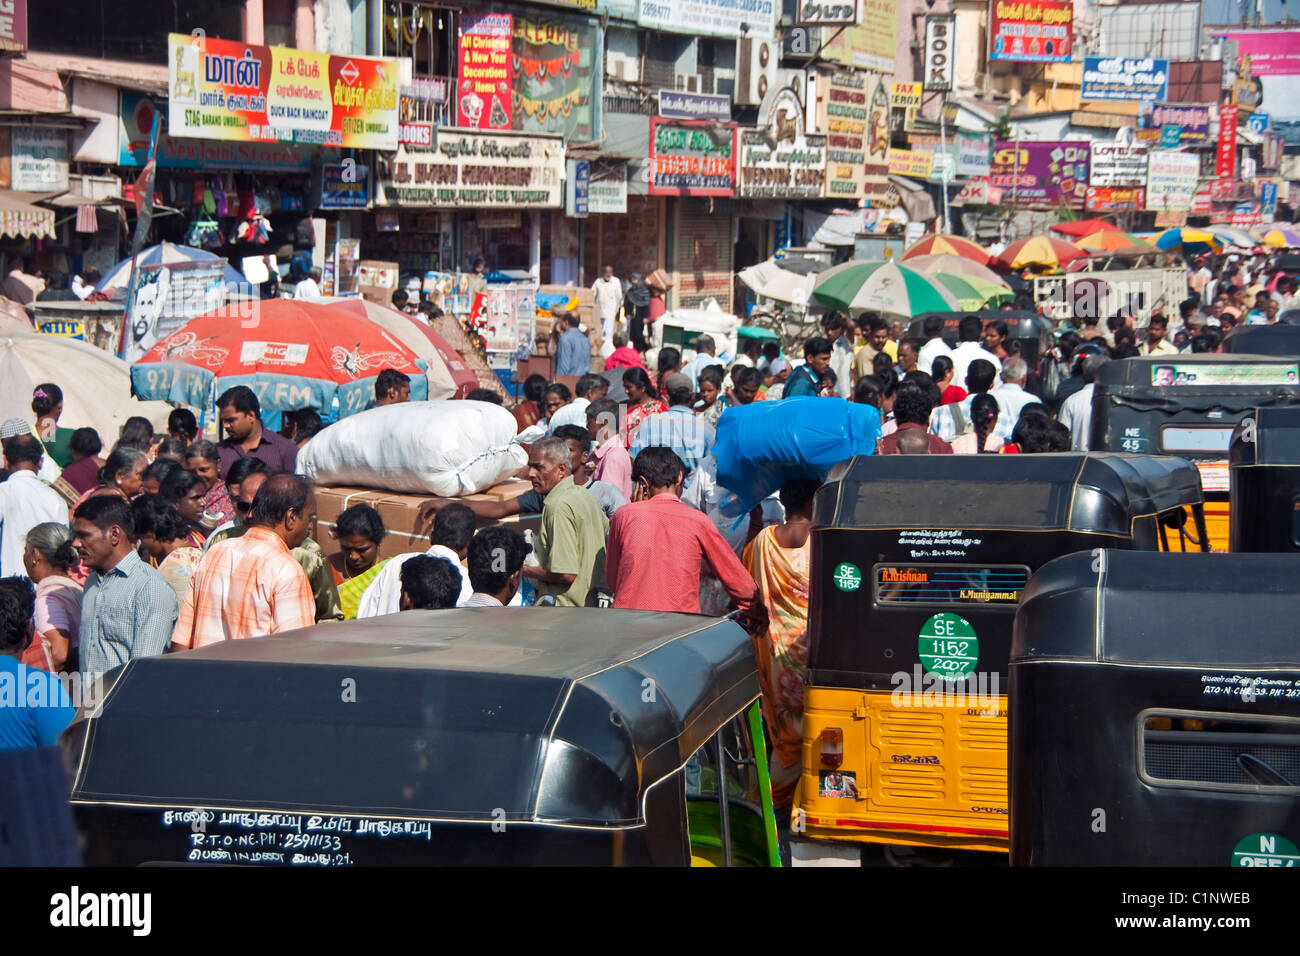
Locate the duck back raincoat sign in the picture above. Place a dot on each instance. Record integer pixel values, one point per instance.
(220, 89)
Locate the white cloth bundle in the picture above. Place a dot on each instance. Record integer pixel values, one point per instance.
(447, 448)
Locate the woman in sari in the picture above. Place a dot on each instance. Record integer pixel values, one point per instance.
(49, 559)
(184, 491)
(201, 458)
(359, 531)
(641, 401)
(165, 537)
(778, 560)
(529, 411)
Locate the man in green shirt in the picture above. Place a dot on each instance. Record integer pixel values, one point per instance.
(571, 543)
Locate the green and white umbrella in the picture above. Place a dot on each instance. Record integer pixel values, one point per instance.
(974, 293)
(884, 287)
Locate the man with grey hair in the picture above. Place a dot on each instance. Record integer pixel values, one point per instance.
(571, 542)
(1076, 412)
(1011, 396)
(706, 354)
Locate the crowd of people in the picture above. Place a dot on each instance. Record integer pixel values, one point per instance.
(166, 542)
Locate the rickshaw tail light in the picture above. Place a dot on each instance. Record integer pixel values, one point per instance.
(832, 747)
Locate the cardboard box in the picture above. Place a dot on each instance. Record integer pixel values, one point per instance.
(401, 514)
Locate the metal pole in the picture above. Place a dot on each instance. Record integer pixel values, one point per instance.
(947, 169)
(724, 807)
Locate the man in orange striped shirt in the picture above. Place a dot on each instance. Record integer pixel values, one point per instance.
(251, 585)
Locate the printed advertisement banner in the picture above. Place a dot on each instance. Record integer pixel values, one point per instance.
(876, 183)
(1225, 153)
(1191, 123)
(692, 158)
(485, 64)
(1171, 180)
(136, 122)
(1118, 166)
(1107, 199)
(717, 18)
(1041, 174)
(870, 46)
(1211, 375)
(1121, 78)
(1031, 31)
(474, 170)
(1275, 63)
(556, 79)
(220, 89)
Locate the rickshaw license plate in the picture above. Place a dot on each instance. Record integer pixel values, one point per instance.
(948, 646)
(949, 584)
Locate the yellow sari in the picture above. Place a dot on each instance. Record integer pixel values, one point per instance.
(782, 577)
(351, 589)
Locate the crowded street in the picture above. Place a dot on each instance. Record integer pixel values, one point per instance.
(507, 437)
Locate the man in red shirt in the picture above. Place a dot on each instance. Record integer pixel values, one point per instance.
(912, 410)
(657, 545)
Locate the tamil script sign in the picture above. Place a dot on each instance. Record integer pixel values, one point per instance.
(1171, 180)
(475, 170)
(1031, 31)
(694, 106)
(1121, 78)
(1192, 122)
(692, 158)
(1041, 174)
(781, 161)
(220, 89)
(1119, 166)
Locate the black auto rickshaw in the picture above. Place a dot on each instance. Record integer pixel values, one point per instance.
(1281, 339)
(1189, 405)
(1027, 331)
(1264, 479)
(1155, 712)
(918, 565)
(514, 736)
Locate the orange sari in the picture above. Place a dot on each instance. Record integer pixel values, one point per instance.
(782, 576)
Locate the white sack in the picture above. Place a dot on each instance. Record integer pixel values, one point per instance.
(446, 448)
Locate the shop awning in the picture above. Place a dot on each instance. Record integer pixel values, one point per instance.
(832, 229)
(22, 219)
(916, 202)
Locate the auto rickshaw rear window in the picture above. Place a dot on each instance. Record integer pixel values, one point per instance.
(1205, 440)
(1217, 752)
(1295, 521)
(949, 584)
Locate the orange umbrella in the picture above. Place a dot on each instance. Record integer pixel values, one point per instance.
(944, 244)
(1039, 252)
(1113, 240)
(1084, 227)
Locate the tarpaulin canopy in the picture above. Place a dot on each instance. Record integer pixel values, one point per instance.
(21, 219)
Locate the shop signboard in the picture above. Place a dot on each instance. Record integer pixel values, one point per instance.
(577, 192)
(714, 18)
(691, 158)
(557, 74)
(13, 26)
(1271, 58)
(608, 191)
(220, 89)
(344, 186)
(1110, 199)
(827, 13)
(1171, 180)
(674, 104)
(135, 122)
(38, 158)
(1041, 174)
(1225, 153)
(483, 100)
(876, 185)
(1031, 31)
(781, 161)
(476, 170)
(909, 162)
(972, 155)
(1124, 78)
(906, 97)
(872, 44)
(842, 113)
(940, 51)
(973, 192)
(1176, 124)
(1115, 165)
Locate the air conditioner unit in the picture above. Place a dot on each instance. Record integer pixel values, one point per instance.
(756, 69)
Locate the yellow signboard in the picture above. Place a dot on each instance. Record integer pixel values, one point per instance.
(870, 46)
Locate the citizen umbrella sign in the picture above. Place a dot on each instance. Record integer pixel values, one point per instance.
(939, 57)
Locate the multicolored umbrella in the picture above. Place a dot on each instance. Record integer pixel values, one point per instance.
(944, 244)
(168, 253)
(292, 355)
(883, 286)
(1039, 252)
(1189, 240)
(1112, 240)
(972, 293)
(1084, 227)
(1282, 237)
(953, 265)
(1232, 236)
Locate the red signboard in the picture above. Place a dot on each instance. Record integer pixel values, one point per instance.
(692, 158)
(484, 98)
(1031, 31)
(1225, 156)
(13, 25)
(1109, 199)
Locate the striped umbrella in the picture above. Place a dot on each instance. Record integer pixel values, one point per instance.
(1282, 237)
(953, 265)
(1039, 252)
(883, 286)
(944, 244)
(972, 293)
(1190, 240)
(1232, 236)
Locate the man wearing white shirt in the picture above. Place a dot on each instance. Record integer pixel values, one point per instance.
(1157, 343)
(25, 501)
(308, 288)
(934, 346)
(969, 332)
(453, 530)
(1076, 411)
(496, 563)
(1011, 396)
(609, 296)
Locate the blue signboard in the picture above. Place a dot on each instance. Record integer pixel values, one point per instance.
(1257, 122)
(344, 185)
(1124, 78)
(577, 202)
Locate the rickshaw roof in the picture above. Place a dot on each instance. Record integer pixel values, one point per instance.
(1013, 492)
(1217, 610)
(1137, 371)
(1276, 440)
(1021, 323)
(562, 716)
(1270, 340)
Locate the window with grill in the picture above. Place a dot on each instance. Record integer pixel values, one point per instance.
(1214, 751)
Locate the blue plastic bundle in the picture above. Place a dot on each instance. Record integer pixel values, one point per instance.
(763, 445)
